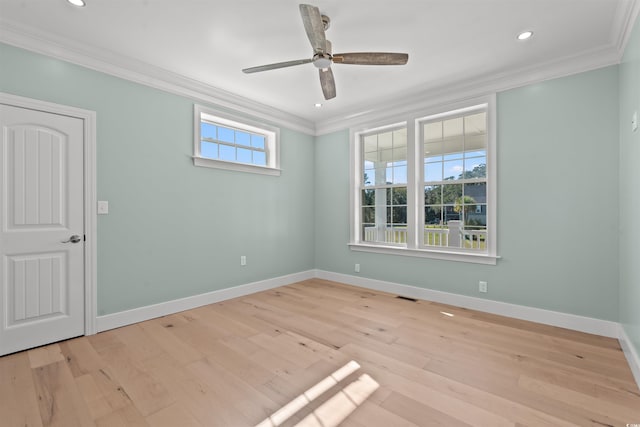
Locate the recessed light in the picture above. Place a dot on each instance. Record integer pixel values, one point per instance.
(317, 105)
(79, 3)
(525, 35)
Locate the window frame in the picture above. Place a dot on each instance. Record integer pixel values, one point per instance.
(229, 120)
(415, 176)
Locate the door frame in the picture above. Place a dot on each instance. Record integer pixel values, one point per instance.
(90, 194)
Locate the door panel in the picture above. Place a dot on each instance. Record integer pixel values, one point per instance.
(35, 179)
(41, 271)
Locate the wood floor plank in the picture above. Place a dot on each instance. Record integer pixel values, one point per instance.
(237, 362)
(18, 397)
(59, 400)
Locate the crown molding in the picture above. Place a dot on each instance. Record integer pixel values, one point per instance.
(623, 23)
(111, 63)
(447, 92)
(439, 93)
(412, 102)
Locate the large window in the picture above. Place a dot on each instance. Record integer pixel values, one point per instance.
(426, 186)
(229, 142)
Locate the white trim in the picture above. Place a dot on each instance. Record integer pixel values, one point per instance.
(630, 353)
(474, 258)
(128, 317)
(39, 41)
(234, 166)
(623, 23)
(90, 199)
(554, 318)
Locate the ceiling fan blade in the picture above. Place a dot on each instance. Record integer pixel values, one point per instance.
(371, 58)
(314, 27)
(328, 83)
(276, 66)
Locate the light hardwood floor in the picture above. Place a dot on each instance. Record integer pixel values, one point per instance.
(237, 362)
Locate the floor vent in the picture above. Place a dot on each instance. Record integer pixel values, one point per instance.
(407, 298)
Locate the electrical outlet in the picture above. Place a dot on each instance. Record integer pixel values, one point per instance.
(482, 286)
(357, 268)
(243, 260)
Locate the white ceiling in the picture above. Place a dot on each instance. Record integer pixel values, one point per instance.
(206, 43)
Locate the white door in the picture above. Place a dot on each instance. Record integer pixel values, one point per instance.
(42, 228)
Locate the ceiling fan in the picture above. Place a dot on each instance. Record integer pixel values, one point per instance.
(315, 25)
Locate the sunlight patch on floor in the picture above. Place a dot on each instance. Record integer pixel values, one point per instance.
(334, 410)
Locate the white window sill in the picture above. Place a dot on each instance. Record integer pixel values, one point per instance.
(476, 258)
(241, 167)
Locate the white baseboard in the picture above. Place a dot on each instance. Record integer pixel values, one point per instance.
(128, 317)
(554, 318)
(630, 353)
(548, 317)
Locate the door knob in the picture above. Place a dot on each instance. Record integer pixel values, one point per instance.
(73, 239)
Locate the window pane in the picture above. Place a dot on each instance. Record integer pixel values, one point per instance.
(433, 195)
(207, 130)
(370, 143)
(227, 153)
(433, 172)
(478, 192)
(449, 214)
(225, 134)
(453, 169)
(400, 156)
(369, 215)
(478, 153)
(398, 196)
(452, 129)
(368, 198)
(385, 156)
(475, 168)
(243, 155)
(385, 140)
(432, 215)
(400, 175)
(477, 219)
(209, 149)
(432, 132)
(243, 138)
(451, 192)
(370, 177)
(260, 158)
(400, 138)
(257, 141)
(433, 151)
(399, 215)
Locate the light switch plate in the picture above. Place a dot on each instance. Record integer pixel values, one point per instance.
(103, 207)
(634, 121)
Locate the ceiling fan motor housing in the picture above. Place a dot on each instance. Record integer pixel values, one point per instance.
(322, 60)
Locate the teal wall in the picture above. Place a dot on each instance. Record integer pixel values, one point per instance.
(173, 230)
(176, 230)
(630, 190)
(557, 204)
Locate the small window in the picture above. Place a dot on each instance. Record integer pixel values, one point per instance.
(228, 142)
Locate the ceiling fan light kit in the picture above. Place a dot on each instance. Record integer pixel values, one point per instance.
(315, 25)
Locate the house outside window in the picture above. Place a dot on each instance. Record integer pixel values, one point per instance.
(426, 186)
(226, 141)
